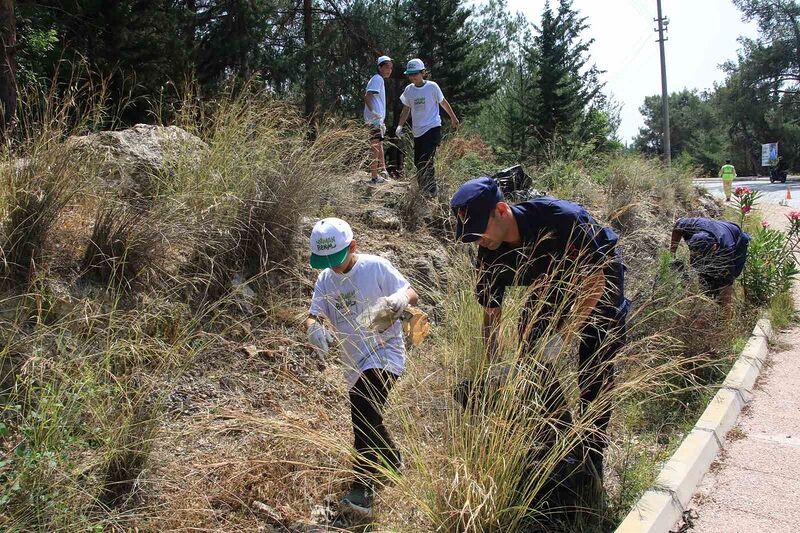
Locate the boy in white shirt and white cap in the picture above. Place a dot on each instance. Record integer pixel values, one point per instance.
(350, 284)
(421, 99)
(375, 116)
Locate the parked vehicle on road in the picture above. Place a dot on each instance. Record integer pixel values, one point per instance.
(777, 175)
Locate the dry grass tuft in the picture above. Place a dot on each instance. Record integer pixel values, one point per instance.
(125, 243)
(34, 193)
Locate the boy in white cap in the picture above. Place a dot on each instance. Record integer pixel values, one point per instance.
(422, 98)
(375, 115)
(350, 284)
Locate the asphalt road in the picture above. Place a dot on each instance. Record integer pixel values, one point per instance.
(770, 192)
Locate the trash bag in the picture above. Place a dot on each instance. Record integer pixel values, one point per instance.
(516, 185)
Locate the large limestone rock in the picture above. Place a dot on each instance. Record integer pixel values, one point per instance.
(128, 160)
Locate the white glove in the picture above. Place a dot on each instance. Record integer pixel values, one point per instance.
(383, 130)
(552, 350)
(398, 131)
(397, 302)
(320, 337)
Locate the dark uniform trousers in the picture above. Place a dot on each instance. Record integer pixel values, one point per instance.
(601, 338)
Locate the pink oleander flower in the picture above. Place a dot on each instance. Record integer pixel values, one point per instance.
(764, 224)
(745, 209)
(794, 215)
(739, 191)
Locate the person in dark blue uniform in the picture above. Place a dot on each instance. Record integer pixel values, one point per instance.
(575, 273)
(717, 252)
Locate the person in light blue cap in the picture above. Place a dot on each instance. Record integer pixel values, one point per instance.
(421, 99)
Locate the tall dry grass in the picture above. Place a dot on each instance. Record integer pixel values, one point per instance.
(82, 400)
(263, 171)
(94, 338)
(86, 375)
(491, 466)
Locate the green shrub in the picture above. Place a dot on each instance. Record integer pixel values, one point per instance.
(770, 266)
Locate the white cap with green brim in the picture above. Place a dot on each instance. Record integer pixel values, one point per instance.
(414, 66)
(330, 241)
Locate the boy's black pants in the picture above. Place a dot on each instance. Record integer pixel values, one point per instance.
(374, 446)
(424, 151)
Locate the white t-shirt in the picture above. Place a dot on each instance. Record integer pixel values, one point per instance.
(378, 88)
(342, 297)
(424, 103)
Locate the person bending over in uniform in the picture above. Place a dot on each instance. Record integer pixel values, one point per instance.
(549, 244)
(717, 252)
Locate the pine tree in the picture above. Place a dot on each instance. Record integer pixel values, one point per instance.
(445, 40)
(8, 69)
(566, 88)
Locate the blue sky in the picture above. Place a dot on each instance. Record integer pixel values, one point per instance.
(702, 35)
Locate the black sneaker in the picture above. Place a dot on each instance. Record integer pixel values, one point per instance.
(378, 179)
(359, 501)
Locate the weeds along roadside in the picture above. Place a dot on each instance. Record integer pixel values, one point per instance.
(471, 470)
(426, 498)
(95, 336)
(650, 422)
(213, 209)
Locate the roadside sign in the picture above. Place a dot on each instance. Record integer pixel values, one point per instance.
(769, 154)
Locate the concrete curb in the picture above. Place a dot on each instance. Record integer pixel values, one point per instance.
(660, 507)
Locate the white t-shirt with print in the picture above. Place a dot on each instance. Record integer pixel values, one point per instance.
(378, 88)
(342, 297)
(424, 103)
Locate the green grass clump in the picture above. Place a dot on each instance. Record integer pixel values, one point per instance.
(782, 312)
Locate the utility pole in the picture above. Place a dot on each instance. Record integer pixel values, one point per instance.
(663, 22)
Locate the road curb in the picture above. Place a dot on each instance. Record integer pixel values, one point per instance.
(660, 507)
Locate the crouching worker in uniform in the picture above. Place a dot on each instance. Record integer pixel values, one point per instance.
(350, 287)
(549, 244)
(717, 252)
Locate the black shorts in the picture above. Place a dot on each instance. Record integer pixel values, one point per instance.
(712, 286)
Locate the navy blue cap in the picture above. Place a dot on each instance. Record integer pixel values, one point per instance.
(472, 204)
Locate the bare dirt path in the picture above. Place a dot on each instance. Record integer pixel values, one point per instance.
(754, 484)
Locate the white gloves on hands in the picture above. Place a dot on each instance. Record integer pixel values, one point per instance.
(386, 311)
(399, 131)
(552, 350)
(320, 337)
(397, 302)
